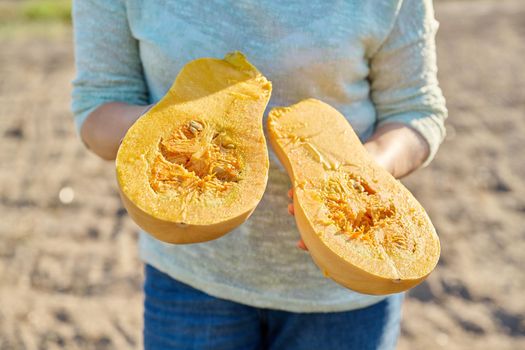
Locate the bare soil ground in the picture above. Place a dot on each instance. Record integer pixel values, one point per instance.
(69, 273)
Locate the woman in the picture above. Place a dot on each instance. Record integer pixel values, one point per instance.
(372, 60)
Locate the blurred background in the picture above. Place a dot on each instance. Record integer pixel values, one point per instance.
(69, 273)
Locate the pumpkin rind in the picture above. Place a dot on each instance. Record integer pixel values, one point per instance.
(363, 228)
(195, 166)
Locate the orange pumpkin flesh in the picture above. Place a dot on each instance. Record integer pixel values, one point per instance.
(363, 228)
(195, 166)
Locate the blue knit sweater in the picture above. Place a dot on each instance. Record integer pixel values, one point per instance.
(373, 60)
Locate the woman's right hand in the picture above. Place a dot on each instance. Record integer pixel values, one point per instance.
(106, 126)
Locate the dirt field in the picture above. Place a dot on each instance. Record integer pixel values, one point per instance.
(69, 273)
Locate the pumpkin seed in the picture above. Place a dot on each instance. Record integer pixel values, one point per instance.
(218, 170)
(195, 127)
(357, 186)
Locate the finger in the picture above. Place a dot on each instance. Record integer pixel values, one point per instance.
(291, 209)
(290, 193)
(301, 245)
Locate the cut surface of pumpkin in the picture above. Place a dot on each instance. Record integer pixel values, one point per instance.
(362, 227)
(195, 166)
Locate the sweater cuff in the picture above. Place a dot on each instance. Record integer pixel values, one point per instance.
(431, 127)
(80, 118)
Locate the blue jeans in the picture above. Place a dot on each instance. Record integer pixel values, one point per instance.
(177, 316)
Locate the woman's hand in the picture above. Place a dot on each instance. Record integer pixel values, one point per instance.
(106, 126)
(396, 147)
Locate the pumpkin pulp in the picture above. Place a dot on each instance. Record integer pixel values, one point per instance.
(196, 159)
(363, 228)
(195, 166)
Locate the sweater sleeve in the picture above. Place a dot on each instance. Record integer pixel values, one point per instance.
(403, 75)
(108, 65)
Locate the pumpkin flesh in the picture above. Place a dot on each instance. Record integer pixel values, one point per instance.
(363, 228)
(195, 166)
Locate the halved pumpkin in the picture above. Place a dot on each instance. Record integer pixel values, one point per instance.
(196, 165)
(363, 228)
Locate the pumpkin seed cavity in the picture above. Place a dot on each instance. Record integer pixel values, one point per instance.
(360, 213)
(195, 159)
